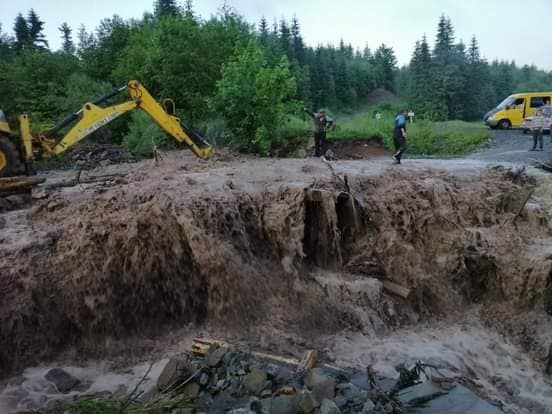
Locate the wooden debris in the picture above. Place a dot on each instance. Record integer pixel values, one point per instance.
(200, 346)
(396, 289)
(102, 179)
(16, 185)
(308, 361)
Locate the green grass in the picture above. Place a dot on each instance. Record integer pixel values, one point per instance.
(425, 138)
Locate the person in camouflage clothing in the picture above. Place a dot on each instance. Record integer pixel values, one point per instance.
(321, 124)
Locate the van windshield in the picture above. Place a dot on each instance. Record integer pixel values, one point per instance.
(508, 101)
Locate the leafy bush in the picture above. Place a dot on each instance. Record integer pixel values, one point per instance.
(254, 100)
(143, 134)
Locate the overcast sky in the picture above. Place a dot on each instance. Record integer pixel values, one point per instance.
(506, 29)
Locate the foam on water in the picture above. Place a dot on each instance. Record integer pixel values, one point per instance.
(33, 391)
(499, 368)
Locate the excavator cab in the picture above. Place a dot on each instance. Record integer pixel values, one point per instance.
(4, 127)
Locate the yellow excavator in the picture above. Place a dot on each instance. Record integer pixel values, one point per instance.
(17, 151)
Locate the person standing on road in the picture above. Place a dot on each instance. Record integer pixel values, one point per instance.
(537, 126)
(321, 124)
(399, 135)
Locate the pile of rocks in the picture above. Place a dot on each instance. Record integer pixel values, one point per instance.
(226, 379)
(230, 380)
(89, 156)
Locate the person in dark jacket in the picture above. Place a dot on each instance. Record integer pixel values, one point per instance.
(399, 136)
(321, 124)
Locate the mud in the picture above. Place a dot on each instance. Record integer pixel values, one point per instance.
(274, 253)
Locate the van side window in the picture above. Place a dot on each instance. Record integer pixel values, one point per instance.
(538, 101)
(518, 103)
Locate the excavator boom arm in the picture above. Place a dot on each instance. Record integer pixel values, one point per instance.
(170, 124)
(92, 117)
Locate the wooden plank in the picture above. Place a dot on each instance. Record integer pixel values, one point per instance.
(308, 361)
(15, 183)
(396, 289)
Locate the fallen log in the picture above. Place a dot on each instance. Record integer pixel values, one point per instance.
(77, 180)
(15, 183)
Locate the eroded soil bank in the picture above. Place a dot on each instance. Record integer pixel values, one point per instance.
(283, 255)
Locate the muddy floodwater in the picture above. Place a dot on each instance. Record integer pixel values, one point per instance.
(447, 262)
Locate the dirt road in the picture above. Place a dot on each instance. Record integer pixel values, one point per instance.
(513, 146)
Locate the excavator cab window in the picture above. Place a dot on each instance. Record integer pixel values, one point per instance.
(2, 116)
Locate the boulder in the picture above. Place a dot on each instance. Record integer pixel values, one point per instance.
(215, 355)
(284, 404)
(321, 384)
(307, 403)
(329, 407)
(175, 369)
(369, 407)
(63, 381)
(255, 381)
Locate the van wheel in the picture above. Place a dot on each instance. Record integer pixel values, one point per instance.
(504, 124)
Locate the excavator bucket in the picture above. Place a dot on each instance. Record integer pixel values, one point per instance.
(195, 136)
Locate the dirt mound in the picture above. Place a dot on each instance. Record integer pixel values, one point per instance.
(258, 263)
(359, 149)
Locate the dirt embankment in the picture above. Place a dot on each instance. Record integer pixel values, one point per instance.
(269, 257)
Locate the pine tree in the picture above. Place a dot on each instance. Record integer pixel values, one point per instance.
(189, 9)
(420, 94)
(36, 27)
(263, 32)
(5, 44)
(166, 8)
(444, 41)
(86, 41)
(22, 35)
(385, 66)
(297, 41)
(67, 40)
(285, 39)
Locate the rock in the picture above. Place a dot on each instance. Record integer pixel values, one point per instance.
(204, 379)
(63, 381)
(174, 370)
(215, 355)
(369, 407)
(307, 403)
(284, 404)
(255, 381)
(190, 391)
(329, 407)
(241, 411)
(321, 385)
(16, 200)
(459, 400)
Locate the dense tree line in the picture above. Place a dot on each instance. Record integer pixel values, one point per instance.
(453, 81)
(198, 62)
